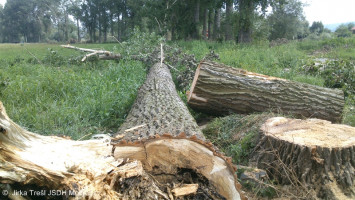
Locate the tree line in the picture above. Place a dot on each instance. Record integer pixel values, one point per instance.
(103, 20)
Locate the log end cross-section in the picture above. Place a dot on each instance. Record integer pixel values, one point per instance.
(161, 133)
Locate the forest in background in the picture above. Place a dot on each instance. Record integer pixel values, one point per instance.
(108, 20)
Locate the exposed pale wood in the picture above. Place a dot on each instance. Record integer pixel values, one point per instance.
(315, 152)
(125, 166)
(103, 55)
(158, 140)
(55, 163)
(219, 89)
(171, 139)
(185, 190)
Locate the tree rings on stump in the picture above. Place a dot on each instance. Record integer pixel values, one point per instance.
(313, 152)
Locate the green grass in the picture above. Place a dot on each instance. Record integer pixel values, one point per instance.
(40, 50)
(73, 100)
(288, 61)
(236, 135)
(48, 90)
(281, 61)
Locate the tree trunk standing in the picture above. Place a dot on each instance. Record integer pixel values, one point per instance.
(100, 27)
(78, 29)
(111, 24)
(217, 24)
(94, 28)
(246, 10)
(229, 25)
(160, 132)
(220, 89)
(313, 153)
(205, 21)
(119, 27)
(209, 29)
(196, 20)
(105, 24)
(66, 36)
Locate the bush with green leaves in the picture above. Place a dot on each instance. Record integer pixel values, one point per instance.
(336, 73)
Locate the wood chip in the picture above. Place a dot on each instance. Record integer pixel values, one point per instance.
(136, 127)
(185, 190)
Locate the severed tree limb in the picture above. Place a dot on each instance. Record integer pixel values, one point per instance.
(108, 55)
(103, 55)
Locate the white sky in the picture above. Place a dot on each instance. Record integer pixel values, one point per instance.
(330, 11)
(326, 11)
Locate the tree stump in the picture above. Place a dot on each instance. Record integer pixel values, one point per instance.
(219, 89)
(315, 153)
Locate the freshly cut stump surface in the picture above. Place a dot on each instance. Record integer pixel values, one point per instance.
(316, 152)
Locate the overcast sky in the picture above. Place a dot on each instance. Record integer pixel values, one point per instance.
(330, 11)
(326, 11)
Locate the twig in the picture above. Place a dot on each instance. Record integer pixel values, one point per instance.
(116, 40)
(85, 136)
(134, 128)
(158, 24)
(33, 56)
(161, 54)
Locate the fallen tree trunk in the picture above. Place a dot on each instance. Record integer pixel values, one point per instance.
(220, 89)
(312, 153)
(159, 153)
(161, 133)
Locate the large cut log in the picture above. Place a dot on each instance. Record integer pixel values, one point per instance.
(313, 153)
(161, 133)
(220, 89)
(158, 153)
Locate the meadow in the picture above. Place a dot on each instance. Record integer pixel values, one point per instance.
(48, 90)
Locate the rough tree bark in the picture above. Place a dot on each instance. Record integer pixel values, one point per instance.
(219, 89)
(196, 19)
(246, 9)
(229, 25)
(205, 24)
(313, 153)
(161, 133)
(158, 145)
(217, 24)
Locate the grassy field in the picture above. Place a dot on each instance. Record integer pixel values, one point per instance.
(57, 94)
(46, 88)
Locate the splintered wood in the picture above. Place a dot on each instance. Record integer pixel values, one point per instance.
(158, 138)
(185, 190)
